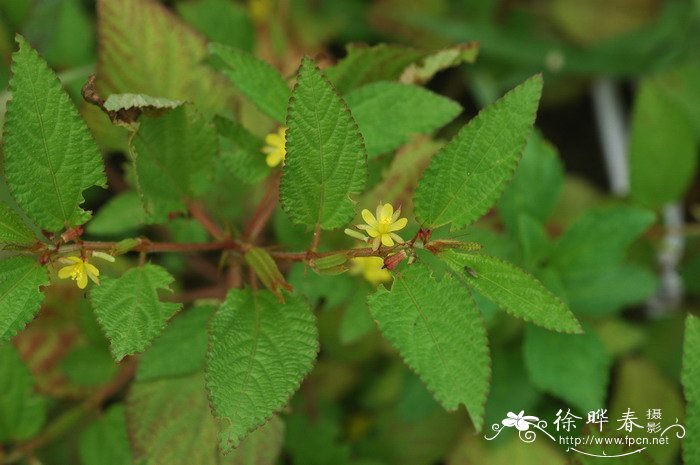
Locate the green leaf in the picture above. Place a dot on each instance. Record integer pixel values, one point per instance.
(145, 49)
(439, 332)
(663, 148)
(536, 185)
(20, 296)
(171, 424)
(22, 411)
(13, 229)
(122, 214)
(469, 174)
(691, 386)
(388, 113)
(326, 161)
(534, 241)
(175, 156)
(262, 84)
(554, 360)
(50, 157)
(117, 102)
(221, 21)
(259, 352)
(606, 291)
(599, 239)
(241, 151)
(129, 310)
(105, 442)
(89, 365)
(181, 349)
(363, 65)
(513, 289)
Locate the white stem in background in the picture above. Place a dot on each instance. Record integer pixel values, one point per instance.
(612, 129)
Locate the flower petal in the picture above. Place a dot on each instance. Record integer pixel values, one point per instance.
(375, 243)
(66, 272)
(397, 238)
(82, 280)
(274, 158)
(387, 240)
(274, 140)
(522, 425)
(398, 225)
(387, 212)
(373, 232)
(509, 422)
(369, 218)
(91, 269)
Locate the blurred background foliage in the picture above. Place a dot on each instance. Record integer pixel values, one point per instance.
(570, 217)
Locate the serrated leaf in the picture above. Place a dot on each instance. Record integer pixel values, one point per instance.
(50, 157)
(175, 156)
(171, 424)
(145, 49)
(439, 332)
(262, 84)
(13, 229)
(116, 102)
(129, 309)
(241, 151)
(388, 113)
(259, 352)
(363, 65)
(599, 239)
(553, 360)
(22, 412)
(105, 442)
(663, 148)
(468, 175)
(181, 349)
(326, 161)
(691, 386)
(513, 289)
(20, 296)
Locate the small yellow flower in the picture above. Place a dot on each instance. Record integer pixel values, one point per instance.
(79, 270)
(372, 268)
(260, 10)
(382, 227)
(275, 147)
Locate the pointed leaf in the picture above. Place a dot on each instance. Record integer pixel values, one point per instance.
(691, 388)
(262, 84)
(50, 157)
(429, 66)
(175, 158)
(13, 230)
(516, 291)
(439, 332)
(468, 175)
(20, 297)
(129, 310)
(326, 161)
(241, 151)
(116, 102)
(389, 113)
(259, 352)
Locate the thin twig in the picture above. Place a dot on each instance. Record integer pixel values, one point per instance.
(199, 213)
(264, 211)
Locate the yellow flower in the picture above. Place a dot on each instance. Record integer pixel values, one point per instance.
(382, 227)
(275, 147)
(260, 10)
(79, 270)
(372, 268)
